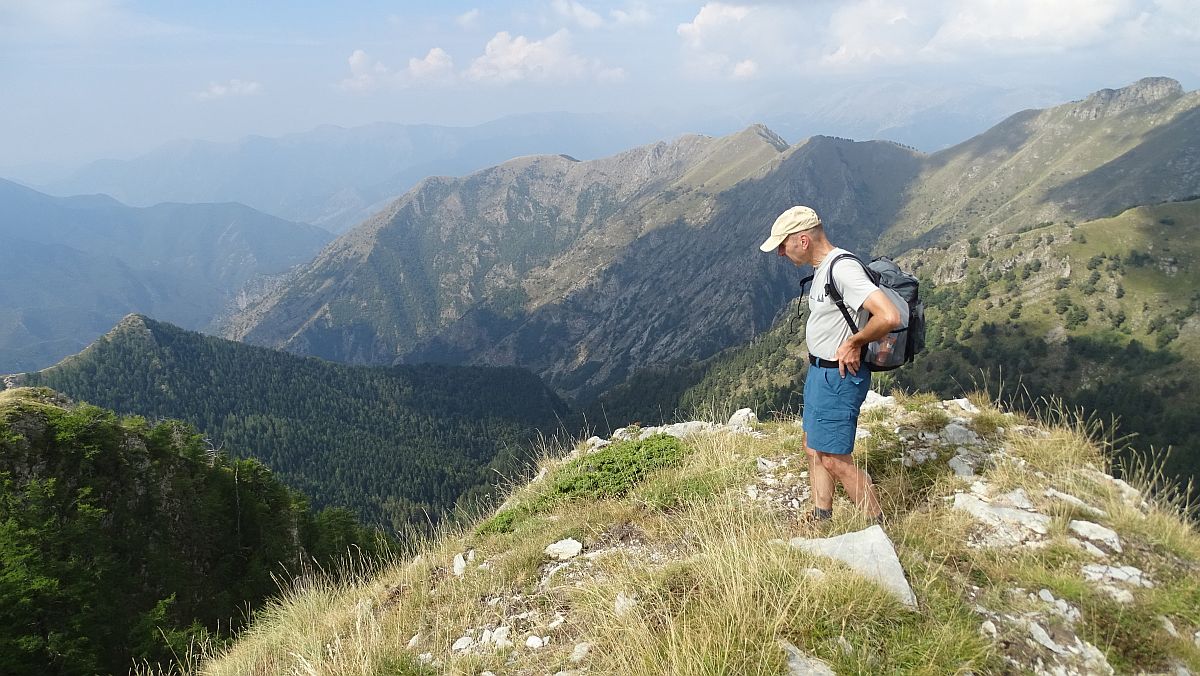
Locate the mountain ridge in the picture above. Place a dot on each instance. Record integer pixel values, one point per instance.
(74, 266)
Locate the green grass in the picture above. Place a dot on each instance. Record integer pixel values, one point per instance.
(608, 473)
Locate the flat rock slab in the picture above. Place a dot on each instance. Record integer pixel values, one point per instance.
(1011, 526)
(1096, 533)
(869, 552)
(800, 664)
(564, 549)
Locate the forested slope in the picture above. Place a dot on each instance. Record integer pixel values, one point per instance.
(120, 539)
(398, 445)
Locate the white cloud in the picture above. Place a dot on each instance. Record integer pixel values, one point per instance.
(712, 20)
(507, 59)
(1024, 26)
(744, 70)
(235, 87)
(728, 41)
(365, 72)
(468, 19)
(437, 65)
(572, 10)
(877, 31)
(635, 14)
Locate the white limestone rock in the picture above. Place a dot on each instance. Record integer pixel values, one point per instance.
(499, 637)
(1129, 494)
(800, 664)
(534, 642)
(580, 652)
(876, 400)
(964, 403)
(918, 456)
(1168, 626)
(743, 420)
(624, 604)
(1076, 502)
(1039, 634)
(861, 433)
(1015, 498)
(1008, 526)
(1096, 533)
(460, 565)
(869, 552)
(963, 464)
(463, 644)
(765, 465)
(564, 550)
(688, 429)
(957, 435)
(1128, 575)
(1088, 547)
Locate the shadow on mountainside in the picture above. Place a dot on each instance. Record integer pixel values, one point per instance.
(1164, 167)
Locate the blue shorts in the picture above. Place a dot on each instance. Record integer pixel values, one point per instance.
(831, 405)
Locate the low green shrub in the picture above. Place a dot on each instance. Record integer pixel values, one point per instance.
(610, 472)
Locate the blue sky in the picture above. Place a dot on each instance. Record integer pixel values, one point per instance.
(83, 79)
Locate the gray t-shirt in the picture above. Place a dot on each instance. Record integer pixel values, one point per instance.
(827, 329)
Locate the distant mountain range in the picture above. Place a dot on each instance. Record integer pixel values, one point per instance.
(71, 267)
(587, 272)
(338, 177)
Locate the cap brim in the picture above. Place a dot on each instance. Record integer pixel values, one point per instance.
(773, 242)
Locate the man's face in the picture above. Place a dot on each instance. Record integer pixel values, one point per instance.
(795, 248)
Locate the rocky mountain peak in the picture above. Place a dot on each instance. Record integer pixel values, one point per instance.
(1108, 102)
(761, 131)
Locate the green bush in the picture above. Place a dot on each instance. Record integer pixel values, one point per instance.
(610, 472)
(614, 470)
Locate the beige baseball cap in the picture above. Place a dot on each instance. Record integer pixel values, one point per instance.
(796, 219)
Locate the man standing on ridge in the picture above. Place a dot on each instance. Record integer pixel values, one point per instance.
(837, 381)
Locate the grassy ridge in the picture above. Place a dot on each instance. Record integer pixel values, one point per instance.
(699, 584)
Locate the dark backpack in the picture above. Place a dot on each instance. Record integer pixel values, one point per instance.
(901, 345)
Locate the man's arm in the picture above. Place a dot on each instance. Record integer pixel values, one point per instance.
(884, 319)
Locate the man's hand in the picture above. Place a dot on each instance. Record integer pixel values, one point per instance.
(849, 357)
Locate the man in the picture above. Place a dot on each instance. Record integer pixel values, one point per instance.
(837, 383)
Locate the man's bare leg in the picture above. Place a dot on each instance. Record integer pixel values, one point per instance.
(857, 483)
(819, 479)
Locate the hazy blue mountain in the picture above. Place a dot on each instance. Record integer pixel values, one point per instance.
(71, 267)
(336, 177)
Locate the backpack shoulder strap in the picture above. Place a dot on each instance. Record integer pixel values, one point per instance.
(833, 293)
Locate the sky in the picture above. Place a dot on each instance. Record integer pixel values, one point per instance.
(85, 79)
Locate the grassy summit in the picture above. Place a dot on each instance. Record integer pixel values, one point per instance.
(1023, 554)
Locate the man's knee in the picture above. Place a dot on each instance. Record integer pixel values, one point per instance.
(834, 464)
